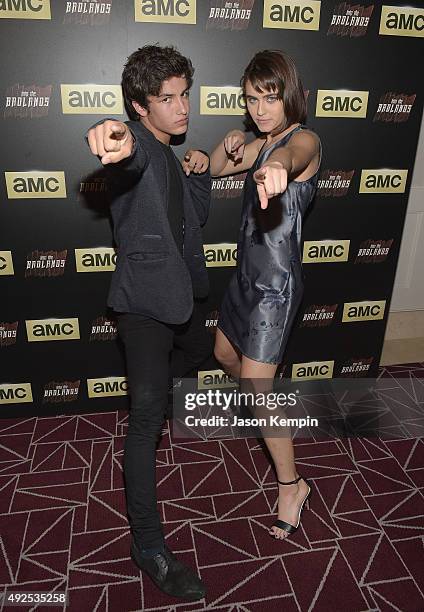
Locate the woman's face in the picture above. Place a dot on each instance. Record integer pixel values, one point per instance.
(266, 109)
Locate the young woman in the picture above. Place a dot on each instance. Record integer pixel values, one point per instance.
(263, 296)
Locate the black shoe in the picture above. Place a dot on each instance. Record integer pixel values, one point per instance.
(169, 574)
(286, 526)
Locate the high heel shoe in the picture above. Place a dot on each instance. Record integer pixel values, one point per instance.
(286, 526)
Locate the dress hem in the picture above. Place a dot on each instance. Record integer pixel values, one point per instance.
(231, 339)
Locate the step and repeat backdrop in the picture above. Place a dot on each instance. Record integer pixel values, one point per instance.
(361, 66)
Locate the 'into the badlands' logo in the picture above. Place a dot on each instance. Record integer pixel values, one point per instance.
(394, 107)
(225, 15)
(350, 20)
(88, 12)
(46, 263)
(27, 101)
(334, 183)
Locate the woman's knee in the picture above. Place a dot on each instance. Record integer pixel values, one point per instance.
(225, 356)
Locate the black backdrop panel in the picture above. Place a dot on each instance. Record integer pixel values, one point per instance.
(73, 362)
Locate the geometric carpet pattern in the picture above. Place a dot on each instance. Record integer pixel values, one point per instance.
(63, 524)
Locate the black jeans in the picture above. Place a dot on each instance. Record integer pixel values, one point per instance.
(148, 345)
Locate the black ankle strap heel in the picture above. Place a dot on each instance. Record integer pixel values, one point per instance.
(291, 481)
(286, 526)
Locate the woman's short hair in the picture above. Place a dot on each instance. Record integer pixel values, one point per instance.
(145, 71)
(273, 70)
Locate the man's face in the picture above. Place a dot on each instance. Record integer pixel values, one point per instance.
(265, 108)
(168, 112)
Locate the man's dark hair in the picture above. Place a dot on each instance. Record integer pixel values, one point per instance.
(145, 71)
(275, 71)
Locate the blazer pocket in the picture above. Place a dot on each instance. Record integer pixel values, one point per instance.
(150, 248)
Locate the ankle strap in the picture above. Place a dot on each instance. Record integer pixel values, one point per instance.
(291, 481)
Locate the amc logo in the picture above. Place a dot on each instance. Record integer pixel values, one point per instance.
(107, 387)
(222, 101)
(35, 185)
(292, 14)
(100, 259)
(325, 251)
(342, 103)
(312, 370)
(25, 9)
(166, 11)
(401, 21)
(42, 330)
(19, 393)
(6, 263)
(383, 181)
(211, 379)
(220, 255)
(363, 311)
(91, 99)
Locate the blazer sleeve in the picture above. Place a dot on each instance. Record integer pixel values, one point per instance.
(200, 189)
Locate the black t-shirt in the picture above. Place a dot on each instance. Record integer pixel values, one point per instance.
(175, 198)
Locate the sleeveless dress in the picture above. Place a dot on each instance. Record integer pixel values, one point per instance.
(265, 292)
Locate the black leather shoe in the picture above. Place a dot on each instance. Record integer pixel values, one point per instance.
(169, 574)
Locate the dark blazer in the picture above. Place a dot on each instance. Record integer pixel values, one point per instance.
(151, 276)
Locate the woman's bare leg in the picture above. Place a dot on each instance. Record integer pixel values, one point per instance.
(227, 355)
(290, 497)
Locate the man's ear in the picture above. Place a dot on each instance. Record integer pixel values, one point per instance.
(140, 110)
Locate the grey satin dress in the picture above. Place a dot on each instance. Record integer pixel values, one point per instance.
(265, 292)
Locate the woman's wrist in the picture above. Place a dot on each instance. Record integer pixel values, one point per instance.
(275, 164)
(235, 132)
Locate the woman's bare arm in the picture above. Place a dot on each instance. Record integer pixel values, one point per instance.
(232, 155)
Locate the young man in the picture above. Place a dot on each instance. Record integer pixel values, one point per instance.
(158, 208)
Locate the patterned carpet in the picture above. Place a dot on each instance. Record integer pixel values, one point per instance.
(63, 524)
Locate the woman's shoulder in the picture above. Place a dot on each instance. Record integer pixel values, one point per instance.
(304, 138)
(304, 135)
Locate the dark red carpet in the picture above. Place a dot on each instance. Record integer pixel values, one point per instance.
(63, 524)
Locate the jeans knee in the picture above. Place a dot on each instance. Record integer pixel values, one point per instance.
(145, 425)
(147, 409)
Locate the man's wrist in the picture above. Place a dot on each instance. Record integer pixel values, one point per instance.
(204, 153)
(132, 140)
